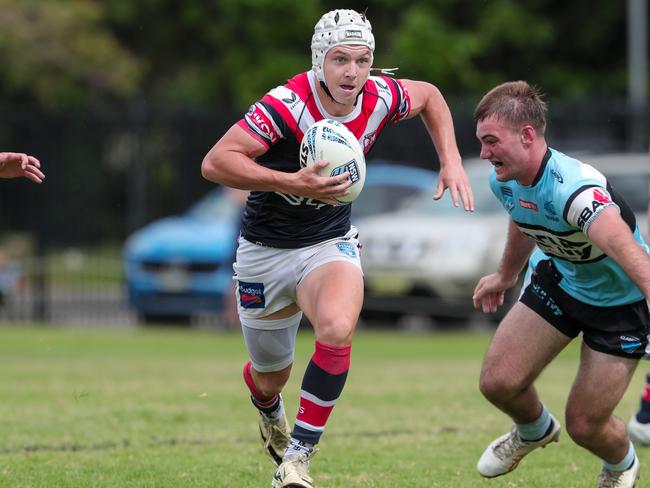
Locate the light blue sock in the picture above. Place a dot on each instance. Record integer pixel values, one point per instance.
(625, 464)
(535, 430)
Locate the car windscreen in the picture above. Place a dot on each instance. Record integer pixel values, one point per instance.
(633, 187)
(216, 205)
(378, 199)
(484, 199)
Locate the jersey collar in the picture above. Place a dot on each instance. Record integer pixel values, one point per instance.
(542, 166)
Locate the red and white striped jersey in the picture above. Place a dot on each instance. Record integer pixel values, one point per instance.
(278, 121)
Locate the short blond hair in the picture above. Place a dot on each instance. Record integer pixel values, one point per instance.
(517, 103)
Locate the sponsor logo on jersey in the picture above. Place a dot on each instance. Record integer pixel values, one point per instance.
(550, 208)
(251, 295)
(557, 176)
(571, 247)
(351, 167)
(629, 344)
(369, 140)
(382, 86)
(290, 100)
(529, 205)
(298, 201)
(589, 212)
(347, 248)
(599, 196)
(258, 122)
(509, 205)
(550, 211)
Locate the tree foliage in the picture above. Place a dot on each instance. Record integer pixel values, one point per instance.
(58, 53)
(200, 53)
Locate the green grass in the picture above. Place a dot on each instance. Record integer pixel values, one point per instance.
(165, 408)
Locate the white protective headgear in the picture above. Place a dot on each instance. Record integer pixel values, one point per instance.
(335, 28)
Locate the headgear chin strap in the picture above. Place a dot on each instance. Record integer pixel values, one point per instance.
(335, 28)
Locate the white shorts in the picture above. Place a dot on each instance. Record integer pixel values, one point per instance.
(267, 277)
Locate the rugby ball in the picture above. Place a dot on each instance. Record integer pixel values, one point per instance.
(331, 141)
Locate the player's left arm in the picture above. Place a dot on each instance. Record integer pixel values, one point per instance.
(613, 236)
(430, 105)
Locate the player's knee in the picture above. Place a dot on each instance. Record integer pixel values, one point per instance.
(497, 387)
(580, 429)
(582, 424)
(335, 330)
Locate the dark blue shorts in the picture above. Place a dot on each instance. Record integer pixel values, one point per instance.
(620, 330)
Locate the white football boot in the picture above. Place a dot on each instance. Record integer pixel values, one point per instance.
(638, 432)
(275, 435)
(294, 472)
(503, 454)
(620, 479)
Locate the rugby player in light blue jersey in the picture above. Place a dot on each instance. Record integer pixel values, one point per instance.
(589, 272)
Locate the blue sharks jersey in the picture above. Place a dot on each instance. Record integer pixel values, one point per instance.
(556, 211)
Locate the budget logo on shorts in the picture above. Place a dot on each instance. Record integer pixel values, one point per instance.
(251, 295)
(347, 248)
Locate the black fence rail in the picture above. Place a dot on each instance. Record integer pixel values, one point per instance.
(71, 287)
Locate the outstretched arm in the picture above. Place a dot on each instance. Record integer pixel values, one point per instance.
(14, 165)
(490, 291)
(230, 162)
(428, 102)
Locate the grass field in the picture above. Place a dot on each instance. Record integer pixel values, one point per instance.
(128, 408)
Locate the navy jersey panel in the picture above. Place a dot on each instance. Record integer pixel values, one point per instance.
(278, 121)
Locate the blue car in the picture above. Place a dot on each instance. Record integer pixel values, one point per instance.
(181, 266)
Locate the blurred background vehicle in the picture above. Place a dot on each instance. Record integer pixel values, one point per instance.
(629, 174)
(144, 107)
(181, 266)
(425, 258)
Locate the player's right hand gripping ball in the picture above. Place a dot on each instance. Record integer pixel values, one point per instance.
(329, 140)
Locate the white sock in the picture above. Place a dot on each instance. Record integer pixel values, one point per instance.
(296, 448)
(277, 413)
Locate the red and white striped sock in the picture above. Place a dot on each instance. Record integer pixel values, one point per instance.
(321, 387)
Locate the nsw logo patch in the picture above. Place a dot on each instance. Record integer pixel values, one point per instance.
(352, 169)
(347, 248)
(251, 295)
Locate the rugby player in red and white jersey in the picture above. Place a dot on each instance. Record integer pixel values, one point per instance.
(298, 252)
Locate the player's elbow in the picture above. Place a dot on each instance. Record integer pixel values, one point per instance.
(210, 167)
